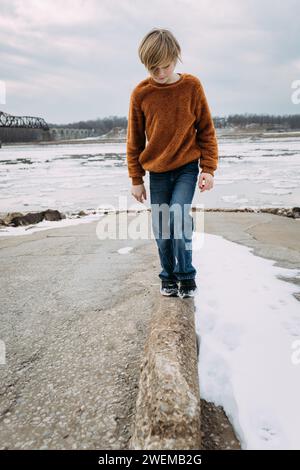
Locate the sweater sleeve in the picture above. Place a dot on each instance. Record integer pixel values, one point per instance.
(206, 134)
(136, 140)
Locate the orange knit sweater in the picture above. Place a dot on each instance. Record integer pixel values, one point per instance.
(175, 120)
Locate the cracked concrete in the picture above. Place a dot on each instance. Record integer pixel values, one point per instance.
(74, 327)
(75, 316)
(270, 236)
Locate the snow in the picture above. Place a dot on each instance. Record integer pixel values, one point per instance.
(247, 318)
(47, 225)
(249, 327)
(125, 250)
(78, 176)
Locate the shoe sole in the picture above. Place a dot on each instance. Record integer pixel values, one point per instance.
(172, 294)
(187, 294)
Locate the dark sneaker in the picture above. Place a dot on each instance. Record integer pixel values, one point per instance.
(169, 288)
(187, 288)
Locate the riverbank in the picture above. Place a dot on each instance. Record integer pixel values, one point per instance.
(75, 313)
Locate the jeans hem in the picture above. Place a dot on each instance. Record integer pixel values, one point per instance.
(183, 278)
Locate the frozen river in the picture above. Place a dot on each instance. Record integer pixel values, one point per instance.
(252, 171)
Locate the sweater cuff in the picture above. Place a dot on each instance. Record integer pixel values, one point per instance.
(137, 180)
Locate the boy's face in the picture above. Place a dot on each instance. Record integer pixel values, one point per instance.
(164, 72)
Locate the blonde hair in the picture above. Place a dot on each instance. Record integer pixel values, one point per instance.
(158, 47)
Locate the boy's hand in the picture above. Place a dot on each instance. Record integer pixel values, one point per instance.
(206, 181)
(139, 192)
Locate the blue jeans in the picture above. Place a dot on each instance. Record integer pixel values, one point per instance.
(171, 195)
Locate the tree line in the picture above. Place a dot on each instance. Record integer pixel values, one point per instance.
(102, 126)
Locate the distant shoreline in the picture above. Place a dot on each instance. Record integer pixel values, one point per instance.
(221, 132)
(59, 142)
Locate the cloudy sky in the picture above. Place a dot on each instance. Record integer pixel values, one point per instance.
(70, 60)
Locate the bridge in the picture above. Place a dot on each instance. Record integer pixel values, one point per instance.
(54, 133)
(24, 122)
(61, 133)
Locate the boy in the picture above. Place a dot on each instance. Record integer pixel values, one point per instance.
(171, 110)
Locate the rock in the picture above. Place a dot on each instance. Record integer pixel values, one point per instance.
(17, 218)
(51, 214)
(10, 216)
